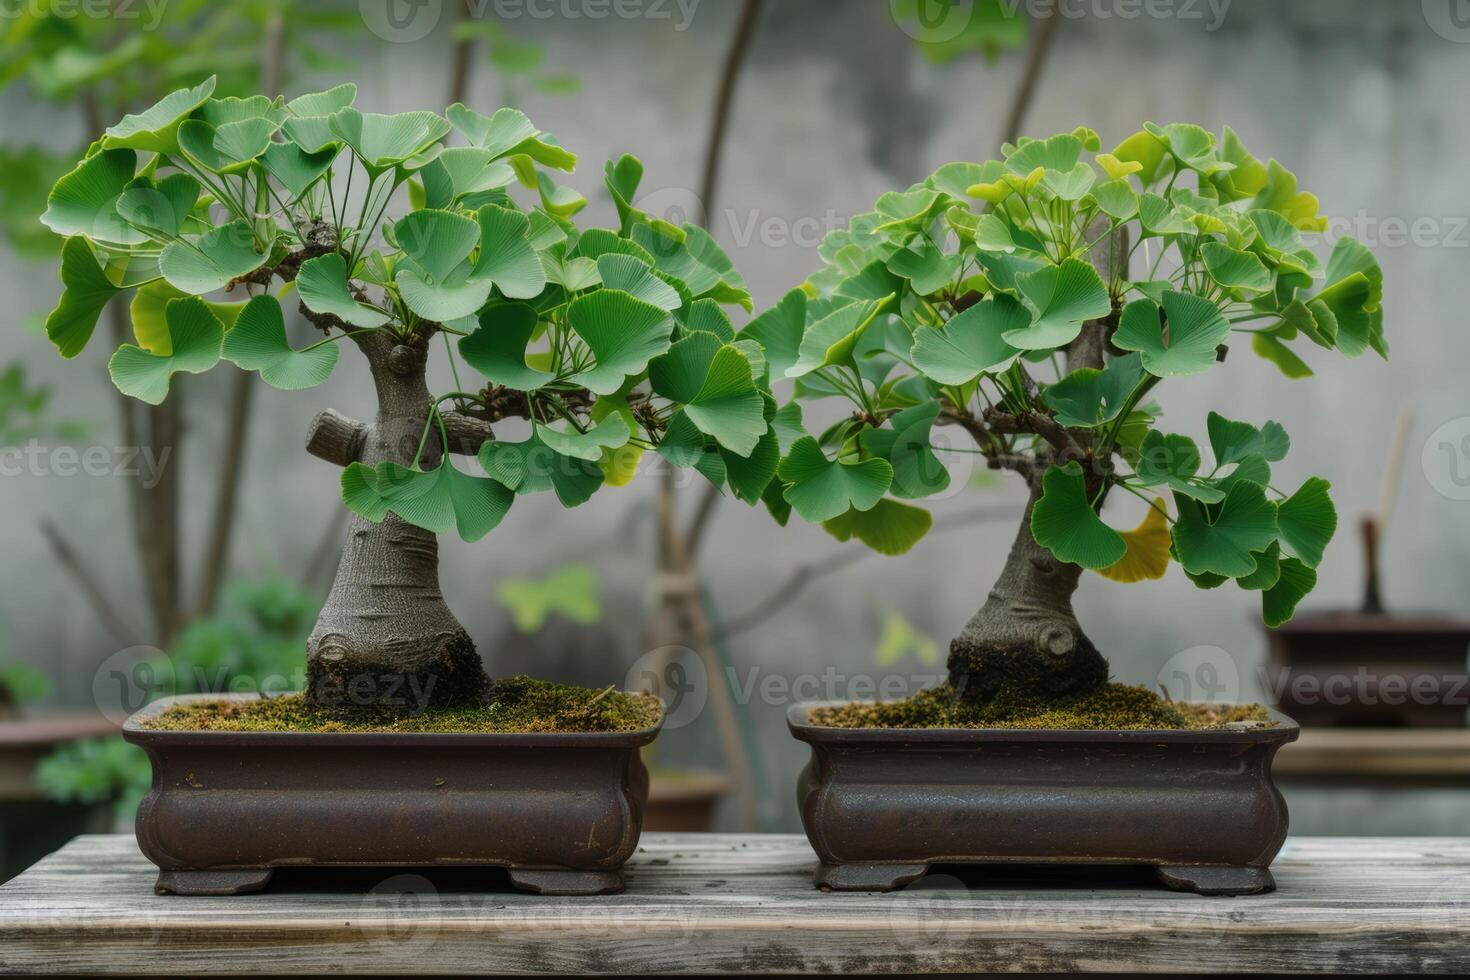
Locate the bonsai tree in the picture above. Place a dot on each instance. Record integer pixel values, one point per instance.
(600, 343)
(1038, 302)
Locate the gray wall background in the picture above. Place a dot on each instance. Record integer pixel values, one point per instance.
(1364, 100)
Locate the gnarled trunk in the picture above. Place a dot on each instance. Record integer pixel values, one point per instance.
(1026, 639)
(385, 640)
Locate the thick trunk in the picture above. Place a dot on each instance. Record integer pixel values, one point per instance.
(386, 641)
(1026, 639)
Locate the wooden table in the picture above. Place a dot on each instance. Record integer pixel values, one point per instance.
(720, 903)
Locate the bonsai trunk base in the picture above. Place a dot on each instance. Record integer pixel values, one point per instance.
(560, 812)
(880, 806)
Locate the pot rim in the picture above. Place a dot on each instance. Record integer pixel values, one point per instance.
(1286, 730)
(133, 731)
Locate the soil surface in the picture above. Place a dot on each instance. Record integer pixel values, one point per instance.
(516, 705)
(1111, 708)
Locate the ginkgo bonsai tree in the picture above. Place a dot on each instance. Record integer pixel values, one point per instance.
(599, 343)
(1038, 302)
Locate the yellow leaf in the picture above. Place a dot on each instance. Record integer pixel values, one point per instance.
(1148, 549)
(1118, 169)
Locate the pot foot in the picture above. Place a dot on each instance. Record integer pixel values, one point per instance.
(867, 877)
(1217, 880)
(233, 882)
(566, 882)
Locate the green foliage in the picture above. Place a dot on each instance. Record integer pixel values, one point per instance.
(571, 592)
(614, 339)
(20, 684)
(96, 771)
(24, 411)
(959, 301)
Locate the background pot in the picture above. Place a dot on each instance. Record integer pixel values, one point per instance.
(881, 805)
(560, 812)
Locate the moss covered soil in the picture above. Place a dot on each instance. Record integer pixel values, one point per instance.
(1114, 707)
(518, 705)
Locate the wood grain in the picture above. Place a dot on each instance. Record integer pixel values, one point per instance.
(1389, 753)
(707, 903)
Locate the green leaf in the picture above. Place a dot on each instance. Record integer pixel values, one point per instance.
(149, 313)
(1278, 604)
(611, 433)
(155, 129)
(297, 170)
(570, 592)
(84, 201)
(1064, 522)
(697, 261)
(159, 210)
(779, 331)
(506, 256)
(382, 142)
(1117, 199)
(1195, 331)
(1308, 521)
(1233, 441)
(622, 332)
(1221, 540)
(1235, 269)
(510, 133)
(195, 338)
(1062, 298)
(1173, 461)
(713, 382)
(706, 315)
(971, 343)
(533, 467)
(439, 501)
(322, 283)
(831, 340)
(437, 242)
(904, 443)
(927, 268)
(461, 171)
(750, 475)
(1272, 349)
(888, 527)
(636, 278)
(213, 260)
(1087, 397)
(1268, 570)
(87, 290)
(257, 342)
(498, 348)
(821, 489)
(228, 149)
(323, 103)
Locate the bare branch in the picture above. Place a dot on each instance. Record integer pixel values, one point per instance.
(336, 438)
(68, 557)
(1030, 76)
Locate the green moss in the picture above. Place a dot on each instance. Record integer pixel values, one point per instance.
(517, 705)
(1110, 708)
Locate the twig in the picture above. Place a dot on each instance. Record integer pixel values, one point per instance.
(1030, 76)
(67, 556)
(750, 12)
(459, 58)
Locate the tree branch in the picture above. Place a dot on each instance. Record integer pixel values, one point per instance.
(68, 557)
(1030, 76)
(339, 440)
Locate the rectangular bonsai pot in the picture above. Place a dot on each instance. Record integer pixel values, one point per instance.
(881, 805)
(560, 812)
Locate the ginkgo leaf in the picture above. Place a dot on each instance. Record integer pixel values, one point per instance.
(508, 133)
(779, 331)
(87, 290)
(462, 171)
(84, 201)
(570, 592)
(533, 467)
(714, 383)
(506, 256)
(498, 348)
(323, 103)
(820, 489)
(1087, 397)
(195, 337)
(297, 170)
(1189, 345)
(439, 501)
(149, 313)
(904, 443)
(158, 210)
(257, 342)
(228, 149)
(382, 141)
(1296, 581)
(622, 332)
(972, 342)
(611, 433)
(322, 283)
(1063, 522)
(927, 267)
(1234, 269)
(636, 278)
(1308, 521)
(831, 340)
(888, 527)
(213, 260)
(1148, 546)
(1221, 539)
(1062, 298)
(1173, 461)
(155, 129)
(1233, 441)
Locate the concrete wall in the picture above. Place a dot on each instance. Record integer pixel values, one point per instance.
(1365, 100)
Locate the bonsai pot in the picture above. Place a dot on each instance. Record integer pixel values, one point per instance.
(881, 805)
(30, 825)
(560, 812)
(684, 801)
(1360, 669)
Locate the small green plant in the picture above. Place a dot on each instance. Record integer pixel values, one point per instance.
(1037, 302)
(572, 592)
(600, 343)
(97, 770)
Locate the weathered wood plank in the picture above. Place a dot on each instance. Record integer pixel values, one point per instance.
(701, 903)
(1396, 753)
